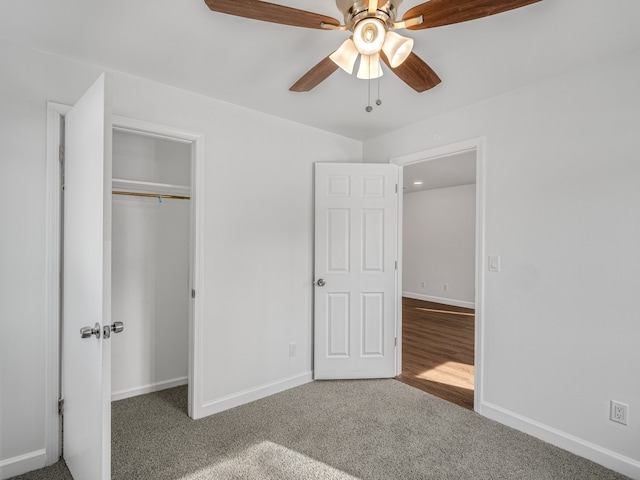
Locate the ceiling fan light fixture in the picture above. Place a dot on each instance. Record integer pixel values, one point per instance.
(370, 67)
(369, 35)
(345, 56)
(369, 21)
(397, 48)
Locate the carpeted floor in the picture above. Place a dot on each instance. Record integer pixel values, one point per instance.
(342, 430)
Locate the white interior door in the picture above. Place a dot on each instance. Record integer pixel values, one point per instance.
(356, 224)
(86, 367)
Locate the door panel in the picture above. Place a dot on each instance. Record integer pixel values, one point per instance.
(86, 362)
(356, 222)
(338, 324)
(372, 324)
(338, 240)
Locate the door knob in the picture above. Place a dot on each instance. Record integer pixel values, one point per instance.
(117, 327)
(86, 332)
(320, 282)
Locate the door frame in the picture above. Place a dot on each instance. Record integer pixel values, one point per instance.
(53, 232)
(477, 145)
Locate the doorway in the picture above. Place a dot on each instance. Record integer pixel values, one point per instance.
(150, 263)
(191, 186)
(441, 267)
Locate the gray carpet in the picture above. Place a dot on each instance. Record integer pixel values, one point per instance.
(342, 430)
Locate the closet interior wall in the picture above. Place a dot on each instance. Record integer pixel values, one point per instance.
(150, 264)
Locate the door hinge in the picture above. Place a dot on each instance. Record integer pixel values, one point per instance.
(61, 159)
(395, 342)
(193, 293)
(396, 267)
(396, 188)
(61, 406)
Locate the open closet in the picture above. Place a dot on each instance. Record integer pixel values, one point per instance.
(151, 260)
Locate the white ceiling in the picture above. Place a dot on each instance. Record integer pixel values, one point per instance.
(253, 63)
(442, 172)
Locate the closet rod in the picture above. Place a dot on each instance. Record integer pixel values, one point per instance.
(152, 195)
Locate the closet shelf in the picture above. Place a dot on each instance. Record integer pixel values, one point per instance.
(150, 187)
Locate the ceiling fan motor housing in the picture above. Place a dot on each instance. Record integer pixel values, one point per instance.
(356, 10)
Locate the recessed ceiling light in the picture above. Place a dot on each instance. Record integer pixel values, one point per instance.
(418, 182)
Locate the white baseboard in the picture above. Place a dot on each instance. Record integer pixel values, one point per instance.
(446, 301)
(154, 387)
(22, 464)
(612, 460)
(252, 394)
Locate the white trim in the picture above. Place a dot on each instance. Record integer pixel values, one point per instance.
(130, 125)
(477, 144)
(446, 301)
(399, 272)
(22, 464)
(152, 387)
(256, 393)
(197, 279)
(480, 274)
(55, 111)
(52, 263)
(602, 456)
(438, 152)
(155, 130)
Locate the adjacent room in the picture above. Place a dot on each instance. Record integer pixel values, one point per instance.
(210, 267)
(439, 235)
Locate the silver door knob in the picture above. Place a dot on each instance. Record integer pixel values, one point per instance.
(117, 327)
(86, 332)
(320, 282)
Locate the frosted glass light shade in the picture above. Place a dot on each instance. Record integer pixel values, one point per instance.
(370, 67)
(368, 36)
(397, 48)
(345, 56)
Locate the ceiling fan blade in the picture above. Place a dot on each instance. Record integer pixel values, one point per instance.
(414, 72)
(270, 12)
(436, 13)
(315, 76)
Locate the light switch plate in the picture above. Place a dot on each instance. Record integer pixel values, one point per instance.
(494, 263)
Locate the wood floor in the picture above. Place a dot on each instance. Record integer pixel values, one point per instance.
(437, 350)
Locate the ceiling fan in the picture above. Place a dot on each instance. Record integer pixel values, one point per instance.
(372, 23)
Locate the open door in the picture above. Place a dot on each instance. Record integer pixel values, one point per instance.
(86, 353)
(356, 226)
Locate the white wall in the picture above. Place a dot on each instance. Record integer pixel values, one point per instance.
(438, 245)
(149, 159)
(257, 256)
(562, 192)
(150, 268)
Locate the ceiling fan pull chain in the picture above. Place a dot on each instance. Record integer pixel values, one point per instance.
(378, 101)
(369, 107)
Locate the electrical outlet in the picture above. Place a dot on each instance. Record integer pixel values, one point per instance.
(445, 287)
(619, 412)
(292, 349)
(422, 283)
